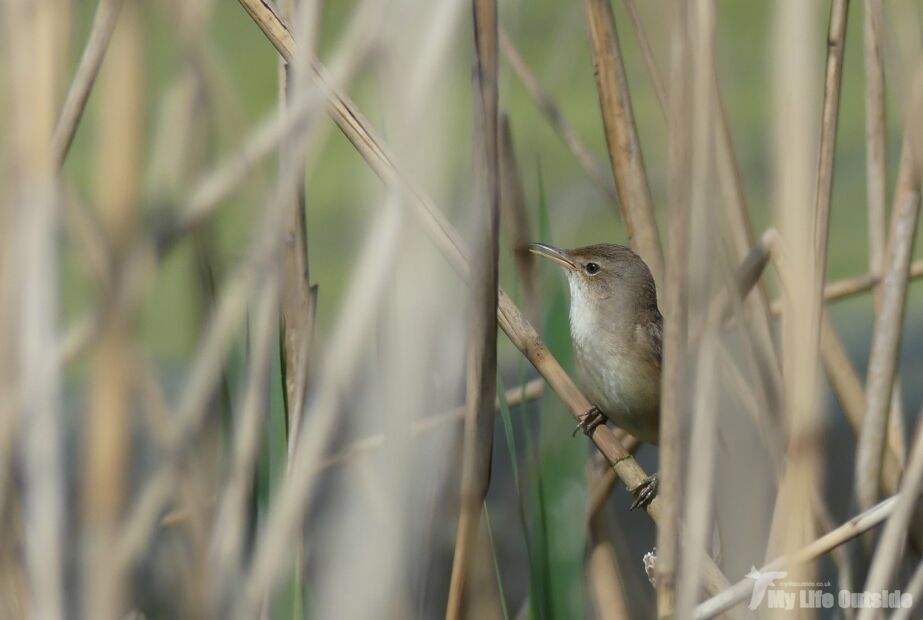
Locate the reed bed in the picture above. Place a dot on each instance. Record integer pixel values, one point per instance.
(252, 367)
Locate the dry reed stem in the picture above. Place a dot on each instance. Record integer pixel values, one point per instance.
(697, 508)
(891, 545)
(833, 79)
(625, 155)
(515, 218)
(444, 236)
(547, 106)
(885, 348)
(856, 526)
(849, 391)
(108, 440)
(30, 305)
(481, 380)
(875, 155)
(673, 388)
(794, 523)
(107, 13)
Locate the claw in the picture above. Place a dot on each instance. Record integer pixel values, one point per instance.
(589, 420)
(645, 492)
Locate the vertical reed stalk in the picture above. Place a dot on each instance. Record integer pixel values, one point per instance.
(481, 390)
(29, 295)
(673, 389)
(794, 34)
(622, 136)
(108, 440)
(698, 505)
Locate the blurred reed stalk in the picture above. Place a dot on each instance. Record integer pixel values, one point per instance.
(112, 399)
(672, 400)
(804, 234)
(28, 297)
(481, 377)
(702, 276)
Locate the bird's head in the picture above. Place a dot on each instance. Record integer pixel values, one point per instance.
(606, 274)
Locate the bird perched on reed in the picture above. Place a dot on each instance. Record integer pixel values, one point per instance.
(617, 336)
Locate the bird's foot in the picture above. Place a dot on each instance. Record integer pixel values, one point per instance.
(645, 492)
(589, 420)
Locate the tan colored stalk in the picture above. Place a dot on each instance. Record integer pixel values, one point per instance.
(794, 34)
(850, 393)
(891, 545)
(108, 440)
(107, 13)
(885, 349)
(875, 155)
(510, 318)
(635, 201)
(29, 306)
(697, 507)
(546, 105)
(481, 380)
(673, 390)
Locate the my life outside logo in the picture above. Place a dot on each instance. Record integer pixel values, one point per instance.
(789, 595)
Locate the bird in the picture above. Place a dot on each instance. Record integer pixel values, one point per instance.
(617, 337)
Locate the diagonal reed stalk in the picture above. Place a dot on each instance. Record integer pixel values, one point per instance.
(107, 13)
(856, 526)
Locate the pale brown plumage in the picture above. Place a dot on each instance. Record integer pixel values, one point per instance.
(617, 335)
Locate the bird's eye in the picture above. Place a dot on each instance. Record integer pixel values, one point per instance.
(592, 268)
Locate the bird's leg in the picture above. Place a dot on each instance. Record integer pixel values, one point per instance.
(589, 420)
(645, 492)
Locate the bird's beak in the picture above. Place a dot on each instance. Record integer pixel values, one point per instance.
(553, 253)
